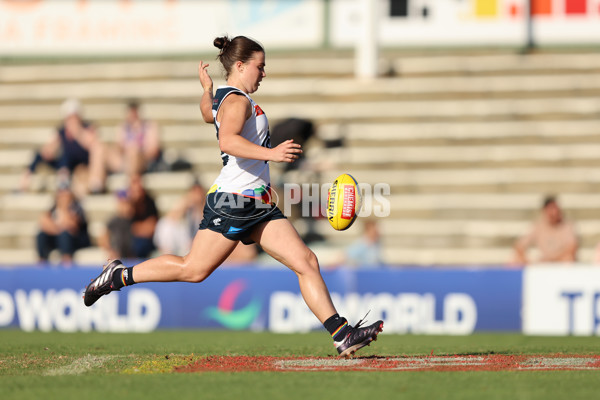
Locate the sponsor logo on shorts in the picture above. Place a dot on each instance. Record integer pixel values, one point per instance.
(217, 221)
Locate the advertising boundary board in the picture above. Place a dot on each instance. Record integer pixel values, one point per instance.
(410, 300)
(561, 301)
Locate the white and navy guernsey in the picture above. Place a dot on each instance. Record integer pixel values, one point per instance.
(244, 176)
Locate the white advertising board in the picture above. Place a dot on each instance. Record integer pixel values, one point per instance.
(561, 300)
(440, 23)
(37, 27)
(153, 26)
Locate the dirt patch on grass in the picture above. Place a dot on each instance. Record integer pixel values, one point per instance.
(80, 365)
(493, 362)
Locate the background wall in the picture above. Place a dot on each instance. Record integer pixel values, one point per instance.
(36, 27)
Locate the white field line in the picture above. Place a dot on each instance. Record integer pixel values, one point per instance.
(418, 363)
(80, 365)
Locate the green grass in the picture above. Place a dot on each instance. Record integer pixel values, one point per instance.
(140, 367)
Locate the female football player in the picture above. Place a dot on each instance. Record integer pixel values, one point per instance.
(238, 205)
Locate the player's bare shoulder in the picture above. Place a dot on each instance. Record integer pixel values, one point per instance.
(236, 103)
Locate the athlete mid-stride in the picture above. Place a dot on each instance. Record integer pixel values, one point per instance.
(243, 135)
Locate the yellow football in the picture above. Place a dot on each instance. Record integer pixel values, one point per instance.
(343, 202)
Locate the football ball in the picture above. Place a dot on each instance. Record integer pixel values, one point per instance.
(343, 202)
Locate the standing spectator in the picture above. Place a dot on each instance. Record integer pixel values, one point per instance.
(71, 151)
(552, 235)
(63, 227)
(144, 220)
(366, 250)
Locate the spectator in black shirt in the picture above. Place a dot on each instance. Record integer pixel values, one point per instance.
(144, 220)
(63, 227)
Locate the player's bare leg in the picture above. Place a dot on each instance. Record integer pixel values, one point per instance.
(209, 250)
(281, 241)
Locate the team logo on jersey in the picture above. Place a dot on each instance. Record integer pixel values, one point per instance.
(258, 110)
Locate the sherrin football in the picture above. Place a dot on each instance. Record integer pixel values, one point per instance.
(343, 202)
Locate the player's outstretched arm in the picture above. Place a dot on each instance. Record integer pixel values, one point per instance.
(207, 96)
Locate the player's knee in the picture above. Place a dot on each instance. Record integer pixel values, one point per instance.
(312, 261)
(194, 272)
(195, 276)
(309, 264)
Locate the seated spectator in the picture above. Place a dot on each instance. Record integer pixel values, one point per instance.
(176, 230)
(551, 234)
(70, 151)
(144, 220)
(366, 250)
(137, 149)
(117, 238)
(129, 233)
(63, 227)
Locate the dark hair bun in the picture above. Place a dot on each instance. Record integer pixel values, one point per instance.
(221, 42)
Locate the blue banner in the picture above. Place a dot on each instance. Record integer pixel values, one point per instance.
(409, 300)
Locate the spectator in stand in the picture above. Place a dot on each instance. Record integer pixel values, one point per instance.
(63, 227)
(366, 250)
(117, 239)
(175, 231)
(137, 148)
(144, 220)
(71, 151)
(551, 234)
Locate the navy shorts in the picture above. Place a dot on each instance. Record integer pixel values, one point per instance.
(235, 216)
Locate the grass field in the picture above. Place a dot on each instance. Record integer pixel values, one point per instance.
(94, 365)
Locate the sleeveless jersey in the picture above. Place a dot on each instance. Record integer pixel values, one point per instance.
(244, 176)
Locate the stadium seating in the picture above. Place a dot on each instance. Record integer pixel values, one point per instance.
(470, 143)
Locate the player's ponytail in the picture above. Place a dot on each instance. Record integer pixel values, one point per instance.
(221, 43)
(240, 48)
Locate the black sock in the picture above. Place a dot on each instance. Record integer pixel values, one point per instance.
(123, 277)
(337, 326)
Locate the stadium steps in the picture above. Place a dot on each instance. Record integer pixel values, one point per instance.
(457, 132)
(331, 64)
(280, 88)
(413, 181)
(171, 69)
(507, 131)
(489, 64)
(324, 111)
